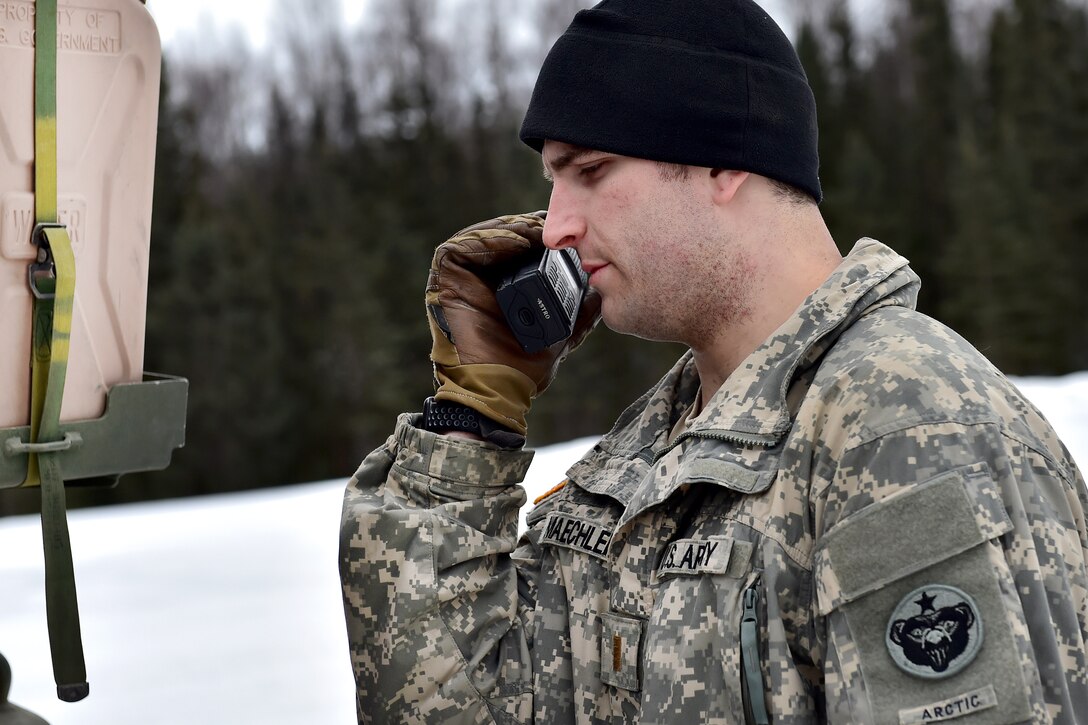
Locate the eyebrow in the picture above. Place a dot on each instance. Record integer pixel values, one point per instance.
(565, 159)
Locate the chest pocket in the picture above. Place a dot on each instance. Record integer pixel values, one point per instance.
(694, 562)
(693, 661)
(916, 592)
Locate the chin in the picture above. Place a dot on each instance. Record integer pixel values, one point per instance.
(633, 326)
(610, 317)
(611, 325)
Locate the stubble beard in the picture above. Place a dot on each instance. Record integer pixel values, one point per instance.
(694, 303)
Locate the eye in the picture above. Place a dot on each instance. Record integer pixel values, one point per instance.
(917, 634)
(590, 171)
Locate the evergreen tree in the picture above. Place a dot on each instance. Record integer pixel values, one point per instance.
(290, 247)
(1026, 130)
(934, 107)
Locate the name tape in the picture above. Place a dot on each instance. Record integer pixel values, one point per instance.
(576, 533)
(696, 556)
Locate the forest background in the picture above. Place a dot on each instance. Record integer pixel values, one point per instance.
(300, 191)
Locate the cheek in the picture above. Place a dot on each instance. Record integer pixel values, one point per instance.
(614, 201)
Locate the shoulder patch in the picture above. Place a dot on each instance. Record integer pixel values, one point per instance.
(934, 632)
(552, 491)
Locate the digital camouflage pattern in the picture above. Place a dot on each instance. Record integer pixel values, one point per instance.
(863, 452)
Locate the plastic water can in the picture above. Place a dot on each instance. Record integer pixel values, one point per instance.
(108, 66)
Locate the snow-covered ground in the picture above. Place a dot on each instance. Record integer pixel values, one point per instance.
(225, 610)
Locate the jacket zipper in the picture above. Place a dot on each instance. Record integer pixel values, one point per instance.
(755, 707)
(750, 440)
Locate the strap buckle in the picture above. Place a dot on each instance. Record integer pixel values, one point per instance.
(16, 447)
(43, 268)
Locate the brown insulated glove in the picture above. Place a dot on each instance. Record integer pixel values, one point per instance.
(477, 360)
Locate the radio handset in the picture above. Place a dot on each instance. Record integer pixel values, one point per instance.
(541, 299)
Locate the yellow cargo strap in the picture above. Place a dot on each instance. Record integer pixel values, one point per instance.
(52, 280)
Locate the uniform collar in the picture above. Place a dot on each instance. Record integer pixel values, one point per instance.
(751, 407)
(752, 403)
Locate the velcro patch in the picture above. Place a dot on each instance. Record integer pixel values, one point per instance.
(573, 532)
(690, 557)
(960, 706)
(621, 653)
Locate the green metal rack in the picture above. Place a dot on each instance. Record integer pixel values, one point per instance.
(142, 425)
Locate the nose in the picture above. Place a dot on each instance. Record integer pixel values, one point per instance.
(565, 225)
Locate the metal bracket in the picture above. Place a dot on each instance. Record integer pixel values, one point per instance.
(142, 426)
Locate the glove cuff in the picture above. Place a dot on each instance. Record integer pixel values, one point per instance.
(500, 392)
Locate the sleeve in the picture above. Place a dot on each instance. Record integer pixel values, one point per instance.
(950, 580)
(434, 603)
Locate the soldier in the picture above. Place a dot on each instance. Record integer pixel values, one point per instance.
(831, 509)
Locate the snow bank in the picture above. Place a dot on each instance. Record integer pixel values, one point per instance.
(1064, 402)
(226, 609)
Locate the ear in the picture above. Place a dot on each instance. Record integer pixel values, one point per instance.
(897, 631)
(725, 184)
(966, 613)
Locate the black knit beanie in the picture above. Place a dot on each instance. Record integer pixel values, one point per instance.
(711, 83)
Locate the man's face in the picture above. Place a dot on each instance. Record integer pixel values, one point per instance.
(651, 241)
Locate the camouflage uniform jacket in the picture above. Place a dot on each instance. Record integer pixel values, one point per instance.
(867, 524)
